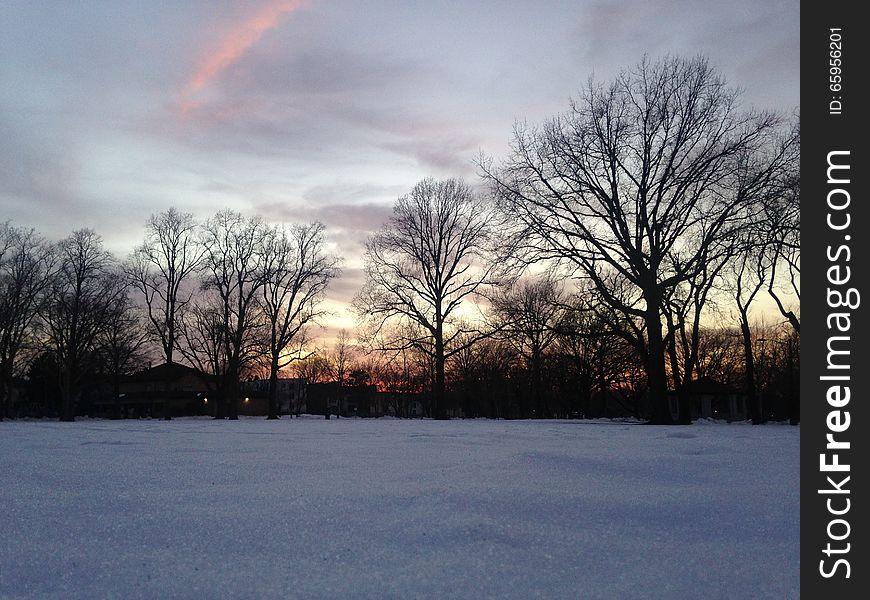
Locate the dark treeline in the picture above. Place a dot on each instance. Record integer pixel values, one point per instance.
(228, 296)
(609, 266)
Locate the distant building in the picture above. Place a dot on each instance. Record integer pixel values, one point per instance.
(291, 396)
(147, 393)
(360, 401)
(611, 403)
(712, 399)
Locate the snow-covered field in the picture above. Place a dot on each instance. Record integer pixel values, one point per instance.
(350, 508)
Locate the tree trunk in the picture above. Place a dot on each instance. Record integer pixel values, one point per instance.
(752, 398)
(684, 406)
(167, 406)
(655, 368)
(273, 388)
(679, 379)
(794, 405)
(232, 397)
(440, 409)
(5, 391)
(116, 395)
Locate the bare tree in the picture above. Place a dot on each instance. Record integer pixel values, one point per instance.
(769, 243)
(80, 297)
(315, 368)
(296, 272)
(340, 360)
(342, 355)
(430, 258)
(528, 315)
(402, 378)
(158, 269)
(749, 273)
(636, 180)
(203, 332)
(719, 355)
(121, 343)
(234, 269)
(25, 266)
(486, 376)
(597, 352)
(683, 308)
(783, 214)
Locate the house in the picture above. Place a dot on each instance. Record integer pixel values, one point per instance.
(712, 399)
(346, 401)
(147, 393)
(291, 396)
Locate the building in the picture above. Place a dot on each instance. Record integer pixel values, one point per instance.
(712, 399)
(148, 393)
(347, 401)
(291, 396)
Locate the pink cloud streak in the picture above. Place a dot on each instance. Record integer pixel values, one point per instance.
(234, 46)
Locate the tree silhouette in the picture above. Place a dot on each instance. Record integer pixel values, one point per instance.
(783, 220)
(528, 314)
(121, 342)
(296, 271)
(233, 265)
(158, 269)
(635, 184)
(26, 263)
(432, 256)
(81, 295)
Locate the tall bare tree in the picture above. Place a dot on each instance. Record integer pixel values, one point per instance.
(296, 272)
(529, 314)
(432, 256)
(783, 215)
(768, 245)
(683, 308)
(748, 275)
(341, 356)
(234, 269)
(158, 269)
(81, 294)
(25, 266)
(636, 180)
(340, 360)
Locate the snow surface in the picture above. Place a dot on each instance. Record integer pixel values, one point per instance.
(353, 508)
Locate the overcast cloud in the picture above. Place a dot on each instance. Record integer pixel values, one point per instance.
(317, 109)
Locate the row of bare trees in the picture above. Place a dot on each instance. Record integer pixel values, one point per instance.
(551, 357)
(650, 190)
(616, 230)
(232, 293)
(225, 295)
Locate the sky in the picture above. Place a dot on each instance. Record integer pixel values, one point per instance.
(329, 110)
